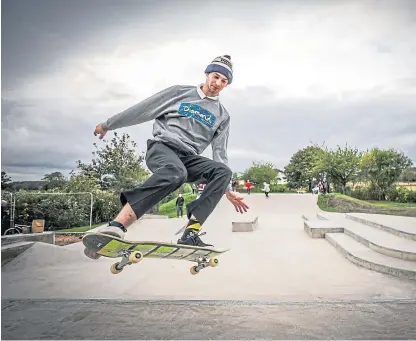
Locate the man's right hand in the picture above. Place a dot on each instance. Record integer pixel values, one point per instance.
(99, 130)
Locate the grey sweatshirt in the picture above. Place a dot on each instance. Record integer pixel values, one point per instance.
(184, 117)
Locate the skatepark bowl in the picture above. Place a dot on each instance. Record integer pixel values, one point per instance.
(292, 272)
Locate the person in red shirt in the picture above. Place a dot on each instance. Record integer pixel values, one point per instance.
(248, 186)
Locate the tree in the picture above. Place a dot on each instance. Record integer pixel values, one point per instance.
(383, 168)
(54, 180)
(115, 165)
(408, 175)
(5, 180)
(261, 172)
(341, 164)
(81, 183)
(302, 167)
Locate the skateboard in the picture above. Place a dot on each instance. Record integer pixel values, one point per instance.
(98, 244)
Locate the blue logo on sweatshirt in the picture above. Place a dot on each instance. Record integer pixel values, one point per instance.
(196, 112)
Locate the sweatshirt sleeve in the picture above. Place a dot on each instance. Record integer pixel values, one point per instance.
(220, 144)
(144, 111)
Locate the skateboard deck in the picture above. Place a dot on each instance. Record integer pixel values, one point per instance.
(130, 252)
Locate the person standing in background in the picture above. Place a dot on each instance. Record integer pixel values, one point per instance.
(179, 205)
(248, 186)
(266, 189)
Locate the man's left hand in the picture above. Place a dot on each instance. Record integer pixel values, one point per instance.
(237, 201)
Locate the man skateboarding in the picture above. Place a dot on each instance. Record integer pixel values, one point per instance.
(187, 119)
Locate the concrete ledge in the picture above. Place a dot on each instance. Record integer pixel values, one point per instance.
(246, 226)
(369, 259)
(44, 237)
(398, 231)
(11, 251)
(154, 216)
(322, 216)
(318, 228)
(70, 233)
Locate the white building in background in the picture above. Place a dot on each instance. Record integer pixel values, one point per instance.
(281, 178)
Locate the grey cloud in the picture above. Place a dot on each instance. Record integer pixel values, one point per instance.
(381, 47)
(36, 140)
(409, 82)
(38, 36)
(281, 128)
(111, 94)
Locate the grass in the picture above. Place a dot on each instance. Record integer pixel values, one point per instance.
(391, 203)
(341, 203)
(80, 229)
(169, 208)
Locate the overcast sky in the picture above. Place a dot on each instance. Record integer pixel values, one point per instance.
(304, 71)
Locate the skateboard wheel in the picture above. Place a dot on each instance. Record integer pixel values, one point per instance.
(193, 270)
(114, 270)
(91, 254)
(213, 262)
(135, 257)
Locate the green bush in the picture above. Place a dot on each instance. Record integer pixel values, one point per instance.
(393, 194)
(411, 197)
(258, 188)
(279, 188)
(65, 211)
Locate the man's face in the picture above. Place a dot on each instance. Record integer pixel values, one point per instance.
(216, 82)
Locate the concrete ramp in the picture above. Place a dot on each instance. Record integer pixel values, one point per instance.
(41, 255)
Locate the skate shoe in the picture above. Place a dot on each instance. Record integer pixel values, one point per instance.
(191, 237)
(113, 229)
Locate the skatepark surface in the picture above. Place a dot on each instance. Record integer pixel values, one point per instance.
(276, 282)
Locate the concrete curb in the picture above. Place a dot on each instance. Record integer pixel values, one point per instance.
(385, 250)
(245, 226)
(395, 231)
(368, 263)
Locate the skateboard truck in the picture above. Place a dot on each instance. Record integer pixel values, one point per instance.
(128, 258)
(203, 262)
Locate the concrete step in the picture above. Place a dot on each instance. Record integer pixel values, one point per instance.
(11, 251)
(247, 225)
(381, 241)
(365, 257)
(404, 227)
(318, 228)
